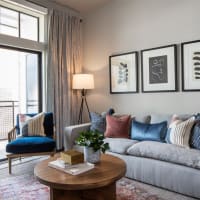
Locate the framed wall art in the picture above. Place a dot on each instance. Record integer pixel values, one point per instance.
(190, 66)
(159, 69)
(123, 73)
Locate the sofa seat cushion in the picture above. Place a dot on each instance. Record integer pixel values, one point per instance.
(31, 145)
(119, 145)
(166, 152)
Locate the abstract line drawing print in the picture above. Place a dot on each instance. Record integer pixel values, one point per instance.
(196, 65)
(158, 72)
(123, 73)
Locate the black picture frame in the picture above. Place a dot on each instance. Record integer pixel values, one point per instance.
(159, 69)
(190, 57)
(123, 71)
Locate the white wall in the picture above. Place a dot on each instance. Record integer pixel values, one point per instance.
(132, 25)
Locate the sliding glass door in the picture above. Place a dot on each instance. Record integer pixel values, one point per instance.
(20, 85)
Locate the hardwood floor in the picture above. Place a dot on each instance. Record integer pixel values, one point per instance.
(25, 166)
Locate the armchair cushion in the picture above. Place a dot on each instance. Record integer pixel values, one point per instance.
(48, 123)
(31, 145)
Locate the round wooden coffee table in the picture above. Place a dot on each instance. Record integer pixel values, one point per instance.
(98, 183)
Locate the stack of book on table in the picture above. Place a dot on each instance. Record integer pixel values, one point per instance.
(71, 162)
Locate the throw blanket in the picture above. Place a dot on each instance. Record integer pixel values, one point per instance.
(166, 152)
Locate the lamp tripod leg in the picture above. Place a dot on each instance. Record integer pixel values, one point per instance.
(87, 108)
(80, 112)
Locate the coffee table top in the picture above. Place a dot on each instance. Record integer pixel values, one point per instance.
(107, 171)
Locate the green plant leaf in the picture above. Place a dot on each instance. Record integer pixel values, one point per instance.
(92, 139)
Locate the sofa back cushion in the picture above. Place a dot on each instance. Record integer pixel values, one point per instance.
(144, 118)
(157, 118)
(117, 127)
(153, 132)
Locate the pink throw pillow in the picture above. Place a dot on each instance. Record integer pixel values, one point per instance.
(117, 127)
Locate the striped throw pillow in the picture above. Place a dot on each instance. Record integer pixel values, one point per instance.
(180, 132)
(32, 126)
(35, 125)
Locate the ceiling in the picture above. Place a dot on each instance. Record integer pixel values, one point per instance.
(83, 6)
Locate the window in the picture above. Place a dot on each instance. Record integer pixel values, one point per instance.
(19, 24)
(29, 27)
(20, 78)
(9, 22)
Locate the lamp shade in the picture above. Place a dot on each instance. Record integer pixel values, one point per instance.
(83, 81)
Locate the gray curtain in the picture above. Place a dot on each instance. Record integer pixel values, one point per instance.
(64, 59)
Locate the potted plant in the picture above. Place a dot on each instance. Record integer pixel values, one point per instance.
(93, 145)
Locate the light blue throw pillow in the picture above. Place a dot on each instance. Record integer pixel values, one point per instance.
(153, 132)
(98, 121)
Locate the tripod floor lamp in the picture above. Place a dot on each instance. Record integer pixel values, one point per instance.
(83, 82)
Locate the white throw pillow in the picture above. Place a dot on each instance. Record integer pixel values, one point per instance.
(180, 131)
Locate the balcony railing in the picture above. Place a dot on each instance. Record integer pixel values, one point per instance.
(8, 111)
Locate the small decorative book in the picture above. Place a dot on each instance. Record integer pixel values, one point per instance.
(71, 169)
(72, 157)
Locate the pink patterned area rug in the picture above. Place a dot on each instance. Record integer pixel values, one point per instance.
(127, 190)
(26, 187)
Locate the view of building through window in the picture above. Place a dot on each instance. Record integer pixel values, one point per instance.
(19, 85)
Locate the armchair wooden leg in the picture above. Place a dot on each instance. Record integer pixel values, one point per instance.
(10, 165)
(52, 154)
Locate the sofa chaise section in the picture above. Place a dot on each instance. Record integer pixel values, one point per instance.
(161, 173)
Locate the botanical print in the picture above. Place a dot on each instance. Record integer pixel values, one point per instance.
(123, 69)
(158, 69)
(122, 73)
(196, 65)
(190, 65)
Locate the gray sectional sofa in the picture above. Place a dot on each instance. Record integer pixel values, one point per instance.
(164, 165)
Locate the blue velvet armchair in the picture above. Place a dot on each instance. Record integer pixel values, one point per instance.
(31, 145)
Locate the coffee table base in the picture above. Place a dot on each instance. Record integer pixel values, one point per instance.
(103, 193)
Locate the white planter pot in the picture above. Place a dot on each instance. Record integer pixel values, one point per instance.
(91, 156)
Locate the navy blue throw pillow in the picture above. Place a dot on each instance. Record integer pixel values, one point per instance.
(154, 132)
(197, 117)
(195, 136)
(98, 121)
